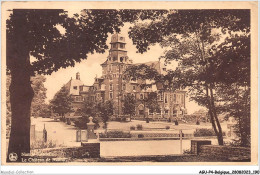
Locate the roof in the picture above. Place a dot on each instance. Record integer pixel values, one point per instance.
(153, 64)
(71, 84)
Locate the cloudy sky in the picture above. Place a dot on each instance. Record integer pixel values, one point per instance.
(90, 68)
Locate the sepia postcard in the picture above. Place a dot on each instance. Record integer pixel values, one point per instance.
(129, 83)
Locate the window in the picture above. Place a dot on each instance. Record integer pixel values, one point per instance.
(166, 98)
(114, 45)
(111, 87)
(161, 95)
(121, 38)
(111, 95)
(124, 87)
(114, 75)
(122, 46)
(114, 58)
(75, 87)
(166, 111)
(133, 87)
(174, 98)
(164, 69)
(141, 96)
(121, 59)
(182, 99)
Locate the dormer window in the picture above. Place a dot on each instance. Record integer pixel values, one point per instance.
(121, 59)
(121, 38)
(75, 87)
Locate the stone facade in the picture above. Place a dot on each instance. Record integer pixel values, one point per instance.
(114, 86)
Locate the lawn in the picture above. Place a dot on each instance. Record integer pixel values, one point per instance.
(125, 126)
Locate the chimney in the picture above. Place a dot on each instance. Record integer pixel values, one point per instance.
(77, 76)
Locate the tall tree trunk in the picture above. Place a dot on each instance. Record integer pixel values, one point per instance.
(21, 92)
(213, 115)
(219, 133)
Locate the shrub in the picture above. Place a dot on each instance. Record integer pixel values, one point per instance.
(139, 127)
(132, 127)
(40, 144)
(204, 132)
(176, 122)
(115, 134)
(140, 136)
(68, 121)
(167, 127)
(187, 151)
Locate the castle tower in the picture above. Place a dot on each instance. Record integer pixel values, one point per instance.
(117, 52)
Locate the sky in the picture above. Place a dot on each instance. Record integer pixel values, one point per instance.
(90, 68)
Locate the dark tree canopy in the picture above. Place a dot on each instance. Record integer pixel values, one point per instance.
(188, 21)
(62, 102)
(85, 33)
(194, 38)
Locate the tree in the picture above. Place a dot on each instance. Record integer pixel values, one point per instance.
(151, 101)
(35, 34)
(38, 101)
(129, 103)
(62, 102)
(190, 36)
(89, 108)
(45, 111)
(106, 110)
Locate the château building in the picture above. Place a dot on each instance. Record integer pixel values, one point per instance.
(113, 85)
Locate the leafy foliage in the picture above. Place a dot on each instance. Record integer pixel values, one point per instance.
(151, 101)
(106, 110)
(85, 33)
(61, 103)
(38, 103)
(129, 103)
(115, 134)
(204, 132)
(194, 39)
(139, 127)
